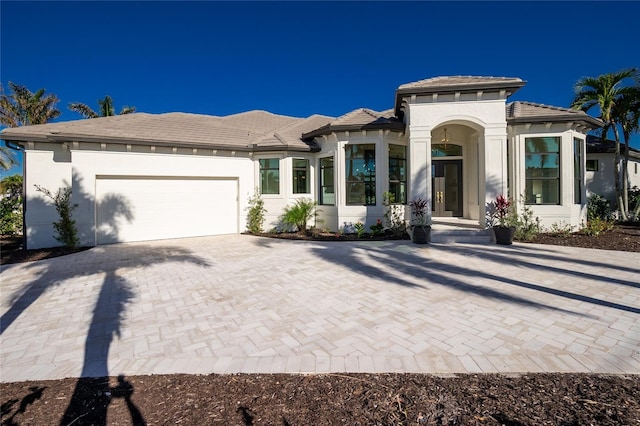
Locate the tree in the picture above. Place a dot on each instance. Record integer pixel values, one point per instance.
(626, 113)
(106, 108)
(21, 107)
(11, 205)
(604, 92)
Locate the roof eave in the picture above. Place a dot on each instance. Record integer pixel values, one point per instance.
(328, 129)
(590, 122)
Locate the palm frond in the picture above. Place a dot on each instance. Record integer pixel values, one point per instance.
(82, 109)
(127, 110)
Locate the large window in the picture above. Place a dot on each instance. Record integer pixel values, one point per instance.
(542, 163)
(398, 173)
(269, 176)
(577, 171)
(327, 194)
(360, 166)
(300, 176)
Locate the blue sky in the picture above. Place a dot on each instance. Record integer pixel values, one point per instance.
(303, 58)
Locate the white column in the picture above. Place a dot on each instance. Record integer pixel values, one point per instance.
(420, 165)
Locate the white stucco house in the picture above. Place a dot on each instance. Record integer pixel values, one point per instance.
(455, 141)
(601, 164)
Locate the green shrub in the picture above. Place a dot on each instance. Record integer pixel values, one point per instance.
(255, 213)
(527, 227)
(11, 205)
(359, 227)
(300, 213)
(561, 229)
(66, 230)
(598, 207)
(377, 228)
(597, 226)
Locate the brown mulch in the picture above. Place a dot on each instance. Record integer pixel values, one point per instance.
(331, 399)
(327, 399)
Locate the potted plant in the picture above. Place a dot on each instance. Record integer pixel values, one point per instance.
(503, 230)
(420, 223)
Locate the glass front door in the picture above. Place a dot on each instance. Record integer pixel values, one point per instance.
(446, 188)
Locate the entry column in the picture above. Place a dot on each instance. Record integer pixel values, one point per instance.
(420, 165)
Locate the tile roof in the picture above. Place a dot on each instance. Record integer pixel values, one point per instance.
(460, 81)
(245, 131)
(360, 119)
(596, 145)
(529, 112)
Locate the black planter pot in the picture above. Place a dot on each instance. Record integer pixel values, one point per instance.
(504, 234)
(421, 234)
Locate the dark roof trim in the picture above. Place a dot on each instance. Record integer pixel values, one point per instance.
(327, 129)
(594, 123)
(62, 138)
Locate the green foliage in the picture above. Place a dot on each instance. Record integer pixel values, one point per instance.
(597, 226)
(11, 205)
(359, 227)
(300, 213)
(66, 230)
(527, 227)
(377, 228)
(598, 207)
(393, 215)
(255, 213)
(106, 108)
(561, 229)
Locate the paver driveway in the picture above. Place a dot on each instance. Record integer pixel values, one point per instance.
(245, 304)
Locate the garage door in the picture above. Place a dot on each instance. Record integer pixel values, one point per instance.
(132, 208)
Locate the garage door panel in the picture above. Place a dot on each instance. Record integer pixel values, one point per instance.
(140, 209)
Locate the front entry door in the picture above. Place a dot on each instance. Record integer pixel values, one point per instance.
(446, 188)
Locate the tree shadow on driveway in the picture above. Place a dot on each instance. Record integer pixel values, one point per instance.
(414, 270)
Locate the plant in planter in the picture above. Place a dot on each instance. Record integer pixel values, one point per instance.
(503, 213)
(420, 221)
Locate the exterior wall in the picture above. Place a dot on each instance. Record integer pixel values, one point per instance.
(50, 167)
(486, 118)
(566, 211)
(335, 217)
(275, 203)
(80, 168)
(601, 181)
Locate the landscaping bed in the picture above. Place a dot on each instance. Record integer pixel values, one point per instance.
(327, 399)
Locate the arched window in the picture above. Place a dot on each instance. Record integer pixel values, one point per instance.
(448, 150)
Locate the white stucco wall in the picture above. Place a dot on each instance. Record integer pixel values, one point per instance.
(82, 166)
(566, 211)
(601, 182)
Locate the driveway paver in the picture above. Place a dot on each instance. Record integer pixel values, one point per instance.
(239, 303)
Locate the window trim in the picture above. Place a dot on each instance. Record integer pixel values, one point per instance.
(259, 161)
(307, 176)
(321, 180)
(406, 160)
(557, 179)
(593, 169)
(372, 176)
(578, 175)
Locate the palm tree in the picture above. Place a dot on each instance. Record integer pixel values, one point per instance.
(627, 113)
(106, 109)
(604, 92)
(22, 107)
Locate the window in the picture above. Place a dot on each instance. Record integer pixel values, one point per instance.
(592, 165)
(542, 163)
(327, 194)
(398, 173)
(448, 150)
(577, 171)
(300, 176)
(269, 176)
(636, 168)
(360, 166)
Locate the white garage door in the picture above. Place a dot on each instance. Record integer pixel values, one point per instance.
(132, 208)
